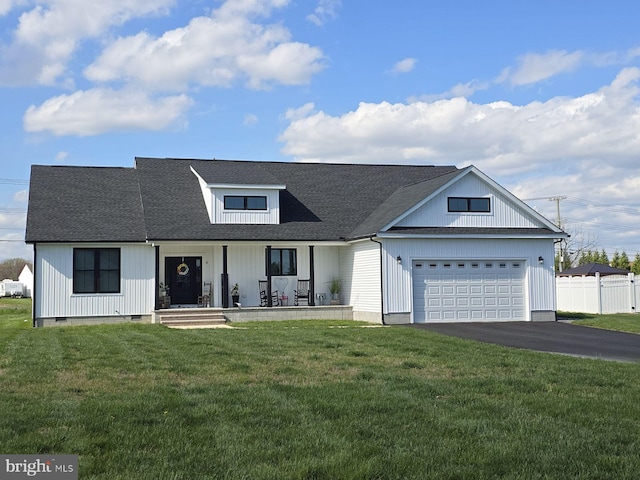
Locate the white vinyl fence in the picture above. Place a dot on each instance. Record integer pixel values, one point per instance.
(610, 294)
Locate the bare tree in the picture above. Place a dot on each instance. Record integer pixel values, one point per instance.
(576, 246)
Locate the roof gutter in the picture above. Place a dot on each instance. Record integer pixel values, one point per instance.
(381, 282)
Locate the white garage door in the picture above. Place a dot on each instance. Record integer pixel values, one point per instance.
(467, 291)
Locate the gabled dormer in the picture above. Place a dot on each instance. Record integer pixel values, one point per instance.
(239, 193)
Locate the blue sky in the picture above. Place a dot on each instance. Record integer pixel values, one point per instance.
(541, 96)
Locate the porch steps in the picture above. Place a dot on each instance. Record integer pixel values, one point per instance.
(191, 318)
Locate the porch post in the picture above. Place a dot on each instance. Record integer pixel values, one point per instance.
(156, 302)
(225, 279)
(312, 282)
(268, 265)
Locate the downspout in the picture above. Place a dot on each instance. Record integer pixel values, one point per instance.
(381, 282)
(34, 286)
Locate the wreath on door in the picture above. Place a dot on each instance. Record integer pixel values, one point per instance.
(183, 269)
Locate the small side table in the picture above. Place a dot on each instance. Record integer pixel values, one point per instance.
(284, 300)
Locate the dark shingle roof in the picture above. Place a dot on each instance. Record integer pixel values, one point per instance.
(161, 199)
(321, 202)
(84, 204)
(399, 202)
(247, 173)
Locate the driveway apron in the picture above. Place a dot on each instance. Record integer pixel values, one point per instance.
(556, 337)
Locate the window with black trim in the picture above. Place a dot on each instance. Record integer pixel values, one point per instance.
(245, 202)
(283, 261)
(96, 270)
(469, 204)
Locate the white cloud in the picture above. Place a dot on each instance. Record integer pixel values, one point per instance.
(582, 147)
(5, 6)
(501, 137)
(48, 35)
(211, 51)
(97, 111)
(535, 67)
(404, 66)
(12, 246)
(325, 11)
(250, 119)
(21, 196)
(61, 156)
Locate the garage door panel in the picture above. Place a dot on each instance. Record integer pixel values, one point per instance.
(448, 290)
(490, 290)
(462, 301)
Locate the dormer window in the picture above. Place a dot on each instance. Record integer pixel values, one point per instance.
(469, 204)
(245, 202)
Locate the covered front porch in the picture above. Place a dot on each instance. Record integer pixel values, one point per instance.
(246, 274)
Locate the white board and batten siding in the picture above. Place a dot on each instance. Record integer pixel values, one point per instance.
(360, 269)
(530, 284)
(269, 216)
(55, 297)
(504, 212)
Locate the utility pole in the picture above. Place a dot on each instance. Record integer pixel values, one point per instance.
(557, 200)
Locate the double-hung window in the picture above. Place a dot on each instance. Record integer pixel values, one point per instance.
(96, 270)
(283, 261)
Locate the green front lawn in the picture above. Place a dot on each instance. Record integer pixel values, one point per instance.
(624, 322)
(306, 400)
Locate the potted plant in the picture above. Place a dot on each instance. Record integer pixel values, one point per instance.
(334, 289)
(165, 299)
(235, 295)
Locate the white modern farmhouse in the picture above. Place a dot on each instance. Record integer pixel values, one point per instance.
(404, 243)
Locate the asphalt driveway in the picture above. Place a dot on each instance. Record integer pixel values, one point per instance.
(556, 337)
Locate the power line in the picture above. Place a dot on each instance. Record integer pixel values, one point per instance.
(13, 211)
(13, 181)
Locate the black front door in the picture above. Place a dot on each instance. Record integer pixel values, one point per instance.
(184, 277)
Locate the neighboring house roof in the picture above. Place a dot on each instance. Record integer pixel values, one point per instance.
(590, 269)
(161, 199)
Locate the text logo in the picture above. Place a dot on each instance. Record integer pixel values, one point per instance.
(49, 467)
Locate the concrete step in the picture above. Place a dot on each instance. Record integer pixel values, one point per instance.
(191, 318)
